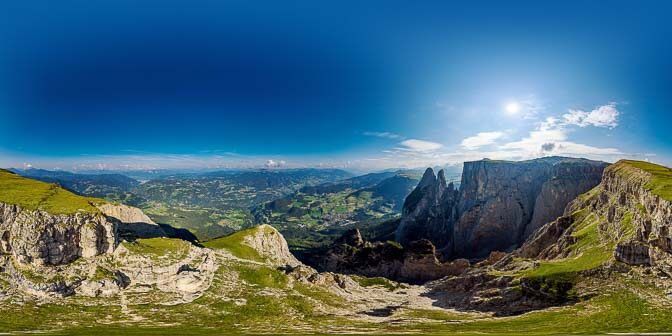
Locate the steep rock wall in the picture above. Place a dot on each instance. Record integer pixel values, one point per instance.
(427, 212)
(631, 219)
(499, 204)
(131, 221)
(502, 203)
(38, 237)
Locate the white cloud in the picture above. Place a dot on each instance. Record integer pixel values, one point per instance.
(416, 145)
(602, 116)
(387, 135)
(481, 139)
(550, 138)
(274, 164)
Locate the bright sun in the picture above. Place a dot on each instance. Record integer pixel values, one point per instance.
(512, 108)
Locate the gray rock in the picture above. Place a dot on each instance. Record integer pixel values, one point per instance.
(37, 237)
(131, 221)
(417, 262)
(428, 212)
(637, 220)
(499, 204)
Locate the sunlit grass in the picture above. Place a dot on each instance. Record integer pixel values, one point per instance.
(35, 195)
(234, 244)
(661, 177)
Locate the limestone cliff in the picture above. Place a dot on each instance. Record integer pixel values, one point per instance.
(499, 204)
(502, 203)
(38, 237)
(632, 211)
(131, 221)
(428, 212)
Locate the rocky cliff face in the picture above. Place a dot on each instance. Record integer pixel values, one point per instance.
(428, 212)
(633, 213)
(502, 203)
(40, 238)
(499, 204)
(125, 213)
(131, 221)
(415, 263)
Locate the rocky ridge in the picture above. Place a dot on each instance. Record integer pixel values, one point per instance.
(428, 211)
(629, 216)
(499, 203)
(270, 245)
(608, 232)
(415, 263)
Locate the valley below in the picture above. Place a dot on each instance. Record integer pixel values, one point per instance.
(541, 247)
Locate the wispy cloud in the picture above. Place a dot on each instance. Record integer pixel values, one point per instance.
(386, 135)
(481, 139)
(601, 116)
(422, 146)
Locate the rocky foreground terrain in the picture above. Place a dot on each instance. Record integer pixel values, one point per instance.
(602, 265)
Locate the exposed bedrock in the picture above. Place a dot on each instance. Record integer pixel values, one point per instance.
(627, 211)
(40, 238)
(415, 263)
(499, 204)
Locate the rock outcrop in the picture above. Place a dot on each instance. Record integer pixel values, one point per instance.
(428, 212)
(131, 221)
(270, 245)
(187, 273)
(499, 204)
(415, 263)
(631, 217)
(40, 238)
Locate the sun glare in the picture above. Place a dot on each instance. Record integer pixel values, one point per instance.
(512, 108)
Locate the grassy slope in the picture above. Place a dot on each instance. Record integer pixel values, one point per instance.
(267, 301)
(589, 251)
(33, 195)
(593, 248)
(234, 244)
(661, 177)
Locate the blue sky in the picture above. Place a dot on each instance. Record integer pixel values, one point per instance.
(114, 84)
